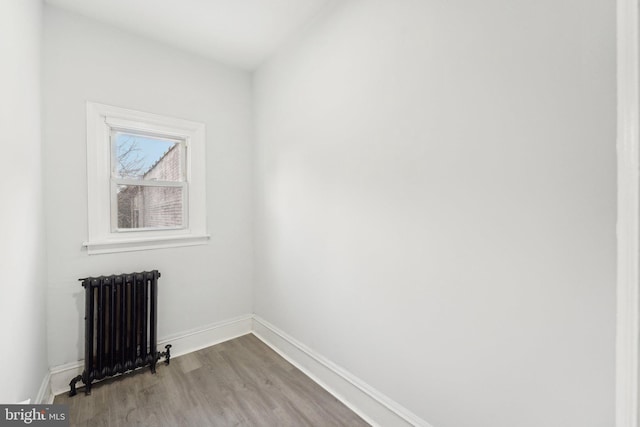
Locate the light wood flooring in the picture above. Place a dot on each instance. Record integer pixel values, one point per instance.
(241, 382)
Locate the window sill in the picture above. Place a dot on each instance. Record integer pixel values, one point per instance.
(143, 244)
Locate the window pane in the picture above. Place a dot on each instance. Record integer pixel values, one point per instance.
(149, 207)
(148, 158)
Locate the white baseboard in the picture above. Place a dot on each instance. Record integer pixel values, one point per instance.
(61, 376)
(183, 343)
(44, 393)
(374, 407)
(197, 339)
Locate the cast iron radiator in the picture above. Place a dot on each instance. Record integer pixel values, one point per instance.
(121, 314)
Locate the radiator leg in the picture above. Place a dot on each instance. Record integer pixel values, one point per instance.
(167, 358)
(72, 384)
(168, 352)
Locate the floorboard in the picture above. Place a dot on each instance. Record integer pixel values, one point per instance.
(241, 382)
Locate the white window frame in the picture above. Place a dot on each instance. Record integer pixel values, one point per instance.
(101, 121)
(628, 225)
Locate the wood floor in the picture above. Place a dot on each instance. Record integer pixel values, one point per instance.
(241, 382)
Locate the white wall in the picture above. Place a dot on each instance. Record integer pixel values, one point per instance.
(435, 203)
(22, 255)
(200, 285)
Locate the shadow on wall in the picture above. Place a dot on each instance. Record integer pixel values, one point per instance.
(79, 303)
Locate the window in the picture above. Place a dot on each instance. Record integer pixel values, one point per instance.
(147, 175)
(145, 180)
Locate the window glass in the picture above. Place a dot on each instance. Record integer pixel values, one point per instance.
(149, 206)
(142, 157)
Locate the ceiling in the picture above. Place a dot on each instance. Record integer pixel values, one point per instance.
(238, 32)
